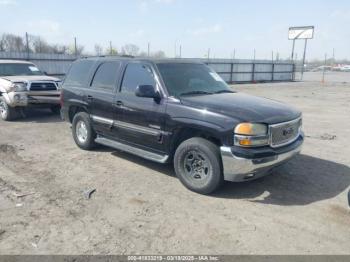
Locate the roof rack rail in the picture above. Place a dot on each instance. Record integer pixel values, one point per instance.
(92, 56)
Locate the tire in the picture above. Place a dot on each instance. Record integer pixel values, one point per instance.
(198, 165)
(83, 133)
(7, 113)
(56, 109)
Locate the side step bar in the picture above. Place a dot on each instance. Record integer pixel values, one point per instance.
(132, 150)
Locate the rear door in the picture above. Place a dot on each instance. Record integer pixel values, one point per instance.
(143, 119)
(101, 97)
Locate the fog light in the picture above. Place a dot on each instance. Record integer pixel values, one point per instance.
(17, 98)
(249, 176)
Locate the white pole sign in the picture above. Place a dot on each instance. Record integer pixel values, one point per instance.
(302, 32)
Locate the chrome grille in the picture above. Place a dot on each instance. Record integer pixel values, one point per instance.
(43, 86)
(285, 133)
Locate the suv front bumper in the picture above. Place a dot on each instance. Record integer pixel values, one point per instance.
(239, 167)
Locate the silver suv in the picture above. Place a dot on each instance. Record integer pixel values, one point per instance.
(22, 84)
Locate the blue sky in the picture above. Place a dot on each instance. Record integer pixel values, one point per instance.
(222, 25)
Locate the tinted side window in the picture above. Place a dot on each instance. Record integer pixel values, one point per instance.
(135, 75)
(106, 75)
(78, 73)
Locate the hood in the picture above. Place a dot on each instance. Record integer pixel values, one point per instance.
(30, 78)
(244, 107)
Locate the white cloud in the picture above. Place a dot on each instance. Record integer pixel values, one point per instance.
(143, 6)
(217, 28)
(8, 2)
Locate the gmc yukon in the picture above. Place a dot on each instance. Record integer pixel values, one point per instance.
(181, 112)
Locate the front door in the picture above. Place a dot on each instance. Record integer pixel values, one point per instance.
(142, 119)
(101, 97)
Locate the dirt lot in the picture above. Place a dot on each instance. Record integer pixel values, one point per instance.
(140, 207)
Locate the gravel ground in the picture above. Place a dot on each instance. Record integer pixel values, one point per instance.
(141, 207)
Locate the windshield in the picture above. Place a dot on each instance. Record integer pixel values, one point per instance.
(191, 79)
(19, 70)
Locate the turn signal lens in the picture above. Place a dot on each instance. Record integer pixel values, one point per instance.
(245, 142)
(251, 141)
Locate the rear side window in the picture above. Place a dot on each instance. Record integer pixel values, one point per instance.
(106, 76)
(78, 73)
(135, 75)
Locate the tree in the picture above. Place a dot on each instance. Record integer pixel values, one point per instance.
(71, 50)
(159, 54)
(98, 50)
(143, 54)
(10, 42)
(130, 49)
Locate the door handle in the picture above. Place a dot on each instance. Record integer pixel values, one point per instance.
(90, 98)
(118, 103)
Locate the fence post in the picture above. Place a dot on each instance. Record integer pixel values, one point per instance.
(253, 72)
(273, 71)
(231, 75)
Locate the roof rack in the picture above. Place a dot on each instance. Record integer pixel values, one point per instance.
(92, 56)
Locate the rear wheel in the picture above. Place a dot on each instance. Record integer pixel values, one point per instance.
(198, 165)
(7, 113)
(83, 134)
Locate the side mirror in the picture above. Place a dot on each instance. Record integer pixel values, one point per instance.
(147, 91)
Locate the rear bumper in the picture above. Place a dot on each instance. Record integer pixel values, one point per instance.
(241, 168)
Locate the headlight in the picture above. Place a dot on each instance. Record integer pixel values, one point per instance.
(20, 87)
(251, 129)
(251, 135)
(59, 85)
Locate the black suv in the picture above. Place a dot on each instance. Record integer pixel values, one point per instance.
(181, 112)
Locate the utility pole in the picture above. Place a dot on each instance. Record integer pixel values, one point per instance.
(180, 51)
(148, 49)
(254, 54)
(333, 56)
(27, 45)
(272, 56)
(110, 48)
(75, 46)
(175, 47)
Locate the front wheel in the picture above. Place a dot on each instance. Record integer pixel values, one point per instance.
(198, 165)
(7, 113)
(83, 134)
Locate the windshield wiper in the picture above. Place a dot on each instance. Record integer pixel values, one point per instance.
(196, 93)
(223, 91)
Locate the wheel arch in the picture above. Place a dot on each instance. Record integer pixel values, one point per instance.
(185, 132)
(75, 109)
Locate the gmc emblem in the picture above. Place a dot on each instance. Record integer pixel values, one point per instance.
(288, 131)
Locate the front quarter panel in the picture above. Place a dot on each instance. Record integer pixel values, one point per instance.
(216, 125)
